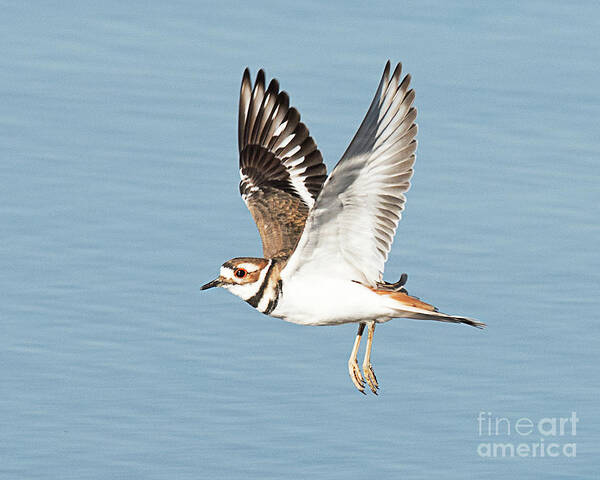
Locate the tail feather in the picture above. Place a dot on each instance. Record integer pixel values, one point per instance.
(441, 317)
(412, 307)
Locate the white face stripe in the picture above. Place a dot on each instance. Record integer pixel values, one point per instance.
(249, 267)
(226, 272)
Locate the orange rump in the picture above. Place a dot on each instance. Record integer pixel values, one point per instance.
(406, 299)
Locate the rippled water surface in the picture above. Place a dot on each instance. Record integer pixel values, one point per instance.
(119, 199)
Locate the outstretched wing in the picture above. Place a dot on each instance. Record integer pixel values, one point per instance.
(350, 229)
(281, 169)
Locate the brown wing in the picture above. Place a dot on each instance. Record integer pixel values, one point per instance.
(281, 169)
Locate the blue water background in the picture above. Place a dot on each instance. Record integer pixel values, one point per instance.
(118, 199)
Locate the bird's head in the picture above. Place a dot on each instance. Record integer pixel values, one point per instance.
(242, 276)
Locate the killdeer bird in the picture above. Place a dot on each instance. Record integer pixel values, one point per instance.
(326, 239)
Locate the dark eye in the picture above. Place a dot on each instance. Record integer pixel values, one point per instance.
(240, 273)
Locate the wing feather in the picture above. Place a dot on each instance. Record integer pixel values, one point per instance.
(353, 222)
(281, 169)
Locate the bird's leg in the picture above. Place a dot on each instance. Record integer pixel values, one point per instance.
(353, 369)
(367, 368)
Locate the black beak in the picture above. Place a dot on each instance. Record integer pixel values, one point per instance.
(214, 283)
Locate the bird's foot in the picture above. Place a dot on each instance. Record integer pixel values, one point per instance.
(394, 287)
(355, 375)
(370, 377)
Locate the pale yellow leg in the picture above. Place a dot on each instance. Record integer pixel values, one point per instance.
(353, 369)
(366, 366)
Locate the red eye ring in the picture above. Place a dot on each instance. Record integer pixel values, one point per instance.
(240, 273)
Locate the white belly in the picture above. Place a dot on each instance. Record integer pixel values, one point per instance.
(314, 301)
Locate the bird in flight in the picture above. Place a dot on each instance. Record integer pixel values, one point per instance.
(326, 238)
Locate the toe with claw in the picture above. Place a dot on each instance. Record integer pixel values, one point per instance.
(355, 376)
(370, 377)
